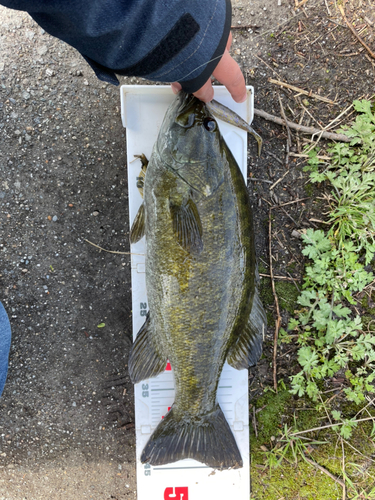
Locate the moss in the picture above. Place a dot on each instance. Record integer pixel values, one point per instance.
(368, 319)
(291, 267)
(309, 189)
(287, 294)
(269, 418)
(293, 483)
(301, 480)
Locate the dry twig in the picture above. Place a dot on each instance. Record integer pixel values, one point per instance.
(337, 424)
(278, 277)
(343, 470)
(301, 91)
(112, 251)
(289, 139)
(336, 479)
(278, 319)
(278, 180)
(301, 128)
(245, 27)
(355, 33)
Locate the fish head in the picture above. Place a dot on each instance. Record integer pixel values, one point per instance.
(190, 143)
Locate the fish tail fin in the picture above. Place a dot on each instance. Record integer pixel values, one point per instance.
(207, 438)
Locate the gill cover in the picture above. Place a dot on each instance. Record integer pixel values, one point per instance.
(190, 144)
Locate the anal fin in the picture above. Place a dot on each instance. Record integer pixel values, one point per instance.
(248, 347)
(144, 361)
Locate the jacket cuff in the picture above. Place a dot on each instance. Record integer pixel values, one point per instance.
(191, 86)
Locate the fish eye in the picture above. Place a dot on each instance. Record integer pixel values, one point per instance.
(209, 124)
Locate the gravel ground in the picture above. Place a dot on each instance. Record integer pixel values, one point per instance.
(62, 180)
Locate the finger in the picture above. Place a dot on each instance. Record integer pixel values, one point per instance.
(205, 93)
(176, 87)
(229, 74)
(229, 42)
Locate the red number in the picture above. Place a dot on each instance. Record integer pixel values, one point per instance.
(176, 493)
(167, 410)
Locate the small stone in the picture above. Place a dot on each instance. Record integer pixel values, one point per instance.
(28, 137)
(43, 50)
(296, 234)
(50, 72)
(26, 95)
(17, 132)
(54, 218)
(95, 213)
(237, 51)
(85, 82)
(2, 66)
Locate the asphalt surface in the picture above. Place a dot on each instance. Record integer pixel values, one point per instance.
(67, 411)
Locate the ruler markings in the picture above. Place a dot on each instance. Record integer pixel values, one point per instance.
(179, 468)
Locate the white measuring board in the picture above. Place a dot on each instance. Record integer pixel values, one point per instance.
(142, 110)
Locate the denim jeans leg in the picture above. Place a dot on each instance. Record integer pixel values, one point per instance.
(5, 335)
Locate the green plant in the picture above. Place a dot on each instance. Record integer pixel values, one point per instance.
(330, 336)
(290, 446)
(351, 173)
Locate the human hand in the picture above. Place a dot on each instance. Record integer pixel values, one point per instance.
(226, 72)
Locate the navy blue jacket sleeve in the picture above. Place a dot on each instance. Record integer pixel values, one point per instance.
(161, 40)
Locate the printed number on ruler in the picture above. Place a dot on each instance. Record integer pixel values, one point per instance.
(147, 469)
(145, 393)
(143, 308)
(176, 493)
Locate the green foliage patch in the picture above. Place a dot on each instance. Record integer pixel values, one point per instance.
(330, 334)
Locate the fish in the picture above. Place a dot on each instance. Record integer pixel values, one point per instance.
(201, 281)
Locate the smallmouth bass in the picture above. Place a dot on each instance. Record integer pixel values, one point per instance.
(201, 283)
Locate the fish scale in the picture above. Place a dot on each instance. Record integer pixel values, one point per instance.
(232, 393)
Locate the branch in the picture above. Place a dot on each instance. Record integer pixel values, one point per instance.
(355, 33)
(301, 128)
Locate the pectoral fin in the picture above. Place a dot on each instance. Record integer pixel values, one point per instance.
(144, 361)
(248, 347)
(137, 230)
(187, 226)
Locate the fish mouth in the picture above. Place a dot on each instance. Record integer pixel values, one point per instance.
(190, 111)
